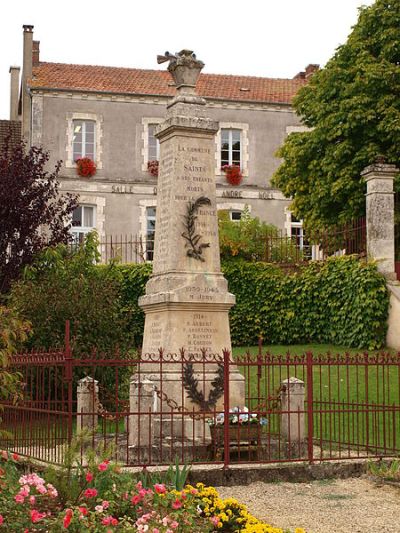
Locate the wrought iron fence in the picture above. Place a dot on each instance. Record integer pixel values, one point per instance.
(277, 246)
(280, 408)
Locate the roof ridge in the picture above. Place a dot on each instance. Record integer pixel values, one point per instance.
(163, 72)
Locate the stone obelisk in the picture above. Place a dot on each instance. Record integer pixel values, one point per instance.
(187, 301)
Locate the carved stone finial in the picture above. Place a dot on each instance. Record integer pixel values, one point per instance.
(184, 67)
(380, 159)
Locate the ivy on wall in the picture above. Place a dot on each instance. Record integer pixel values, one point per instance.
(340, 301)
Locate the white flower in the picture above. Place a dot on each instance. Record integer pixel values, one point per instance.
(99, 508)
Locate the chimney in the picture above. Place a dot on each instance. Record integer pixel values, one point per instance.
(310, 69)
(14, 92)
(35, 52)
(26, 74)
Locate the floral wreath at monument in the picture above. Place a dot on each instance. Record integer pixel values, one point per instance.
(191, 385)
(233, 174)
(85, 167)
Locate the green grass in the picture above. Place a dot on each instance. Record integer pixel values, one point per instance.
(364, 400)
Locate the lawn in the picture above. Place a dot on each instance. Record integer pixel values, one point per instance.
(354, 403)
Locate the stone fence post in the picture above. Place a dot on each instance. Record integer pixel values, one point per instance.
(87, 403)
(142, 403)
(380, 215)
(292, 410)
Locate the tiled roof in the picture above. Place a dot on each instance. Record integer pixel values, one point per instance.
(159, 82)
(10, 127)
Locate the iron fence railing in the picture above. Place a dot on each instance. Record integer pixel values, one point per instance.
(280, 408)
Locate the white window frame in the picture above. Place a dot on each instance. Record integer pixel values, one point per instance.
(244, 146)
(84, 132)
(146, 122)
(84, 230)
(98, 132)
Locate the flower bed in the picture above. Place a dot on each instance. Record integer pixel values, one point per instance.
(101, 498)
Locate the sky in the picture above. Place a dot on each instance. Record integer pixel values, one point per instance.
(268, 38)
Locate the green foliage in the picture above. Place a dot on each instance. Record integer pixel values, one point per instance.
(13, 333)
(352, 108)
(174, 477)
(253, 240)
(341, 301)
(65, 284)
(384, 471)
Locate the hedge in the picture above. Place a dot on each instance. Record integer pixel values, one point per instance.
(341, 301)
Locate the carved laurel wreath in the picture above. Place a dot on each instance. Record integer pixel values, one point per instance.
(191, 385)
(192, 238)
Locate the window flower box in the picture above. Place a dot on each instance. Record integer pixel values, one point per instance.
(233, 174)
(85, 167)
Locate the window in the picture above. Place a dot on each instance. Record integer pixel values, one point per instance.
(230, 147)
(153, 144)
(298, 236)
(150, 231)
(235, 215)
(83, 222)
(83, 140)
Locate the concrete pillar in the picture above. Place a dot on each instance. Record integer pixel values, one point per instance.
(142, 403)
(27, 75)
(87, 400)
(380, 215)
(292, 407)
(14, 92)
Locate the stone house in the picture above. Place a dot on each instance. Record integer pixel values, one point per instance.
(109, 114)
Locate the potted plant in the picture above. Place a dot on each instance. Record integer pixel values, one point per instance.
(233, 174)
(152, 167)
(85, 167)
(242, 425)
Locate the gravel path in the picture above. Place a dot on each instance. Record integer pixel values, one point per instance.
(329, 506)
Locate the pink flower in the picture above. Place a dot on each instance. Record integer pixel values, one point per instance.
(160, 488)
(103, 466)
(174, 524)
(19, 498)
(25, 491)
(90, 493)
(177, 504)
(114, 521)
(139, 485)
(1, 519)
(4, 455)
(214, 520)
(106, 521)
(83, 511)
(15, 456)
(68, 517)
(156, 530)
(89, 477)
(32, 500)
(136, 499)
(36, 516)
(41, 489)
(99, 509)
(105, 504)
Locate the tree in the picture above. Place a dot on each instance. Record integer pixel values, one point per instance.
(352, 107)
(33, 214)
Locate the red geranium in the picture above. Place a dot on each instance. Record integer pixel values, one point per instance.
(86, 167)
(152, 167)
(233, 174)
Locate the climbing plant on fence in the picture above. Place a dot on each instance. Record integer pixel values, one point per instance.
(340, 301)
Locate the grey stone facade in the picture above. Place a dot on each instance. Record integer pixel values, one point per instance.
(122, 189)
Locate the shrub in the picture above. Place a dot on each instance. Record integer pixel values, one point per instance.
(342, 301)
(64, 284)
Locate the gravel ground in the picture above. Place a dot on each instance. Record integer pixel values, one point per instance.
(327, 506)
